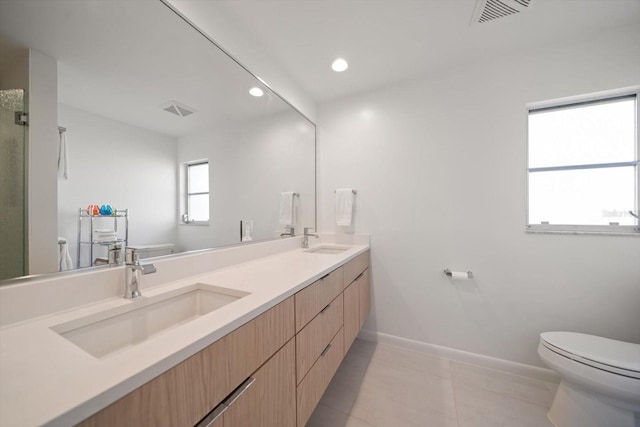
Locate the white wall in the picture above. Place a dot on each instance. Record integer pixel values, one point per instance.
(439, 165)
(250, 52)
(42, 165)
(114, 163)
(250, 164)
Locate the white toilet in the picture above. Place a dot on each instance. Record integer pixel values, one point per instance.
(600, 380)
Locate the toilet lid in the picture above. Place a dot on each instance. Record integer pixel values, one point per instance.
(614, 356)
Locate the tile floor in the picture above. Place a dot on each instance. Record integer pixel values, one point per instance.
(379, 385)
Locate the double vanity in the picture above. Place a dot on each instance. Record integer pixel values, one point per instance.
(241, 336)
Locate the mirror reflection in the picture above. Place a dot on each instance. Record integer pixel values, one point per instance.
(148, 135)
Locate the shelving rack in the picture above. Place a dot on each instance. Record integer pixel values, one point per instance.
(119, 215)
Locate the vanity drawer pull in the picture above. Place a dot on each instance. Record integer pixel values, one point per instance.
(359, 276)
(325, 309)
(239, 391)
(213, 416)
(325, 276)
(326, 350)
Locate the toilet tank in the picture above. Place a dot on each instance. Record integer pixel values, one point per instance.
(151, 251)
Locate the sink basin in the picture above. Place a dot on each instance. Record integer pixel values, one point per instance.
(328, 249)
(107, 332)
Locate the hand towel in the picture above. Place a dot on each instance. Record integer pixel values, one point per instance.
(63, 157)
(286, 209)
(344, 206)
(64, 257)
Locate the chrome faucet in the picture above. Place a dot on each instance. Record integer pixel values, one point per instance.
(134, 273)
(305, 239)
(291, 231)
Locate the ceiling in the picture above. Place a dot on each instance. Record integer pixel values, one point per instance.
(126, 59)
(386, 41)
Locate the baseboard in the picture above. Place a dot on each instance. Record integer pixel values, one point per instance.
(463, 356)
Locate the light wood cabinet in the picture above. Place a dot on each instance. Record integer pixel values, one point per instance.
(314, 337)
(186, 393)
(351, 314)
(353, 268)
(179, 397)
(316, 381)
(289, 374)
(252, 344)
(364, 286)
(271, 400)
(316, 296)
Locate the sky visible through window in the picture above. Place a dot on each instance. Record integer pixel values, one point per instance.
(592, 134)
(198, 182)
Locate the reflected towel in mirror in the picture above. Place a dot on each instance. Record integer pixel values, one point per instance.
(64, 257)
(286, 209)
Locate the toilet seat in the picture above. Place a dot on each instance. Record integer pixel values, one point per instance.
(612, 356)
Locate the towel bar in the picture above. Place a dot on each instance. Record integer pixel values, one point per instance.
(353, 191)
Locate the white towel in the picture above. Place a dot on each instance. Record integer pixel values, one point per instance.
(286, 209)
(344, 206)
(63, 157)
(64, 257)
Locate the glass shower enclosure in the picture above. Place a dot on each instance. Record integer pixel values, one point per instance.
(12, 185)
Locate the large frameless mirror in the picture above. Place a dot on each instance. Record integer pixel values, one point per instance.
(163, 141)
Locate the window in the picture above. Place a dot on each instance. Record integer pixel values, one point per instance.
(197, 203)
(583, 166)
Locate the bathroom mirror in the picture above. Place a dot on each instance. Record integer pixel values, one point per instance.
(142, 96)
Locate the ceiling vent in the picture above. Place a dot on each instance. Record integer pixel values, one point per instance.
(178, 109)
(489, 10)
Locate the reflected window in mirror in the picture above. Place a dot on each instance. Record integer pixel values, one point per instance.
(197, 202)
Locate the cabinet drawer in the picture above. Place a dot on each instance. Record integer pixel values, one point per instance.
(353, 268)
(351, 314)
(271, 399)
(316, 296)
(314, 337)
(364, 286)
(315, 383)
(179, 397)
(252, 344)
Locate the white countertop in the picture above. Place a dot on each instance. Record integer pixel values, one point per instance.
(47, 380)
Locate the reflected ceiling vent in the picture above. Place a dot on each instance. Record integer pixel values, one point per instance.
(490, 10)
(178, 109)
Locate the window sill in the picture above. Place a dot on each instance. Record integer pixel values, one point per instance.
(583, 232)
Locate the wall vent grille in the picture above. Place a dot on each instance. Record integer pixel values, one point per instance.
(489, 10)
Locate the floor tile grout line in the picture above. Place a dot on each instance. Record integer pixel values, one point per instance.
(502, 372)
(455, 399)
(360, 419)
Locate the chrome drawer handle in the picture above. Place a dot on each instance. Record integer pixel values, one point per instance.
(239, 391)
(213, 416)
(326, 350)
(325, 276)
(325, 309)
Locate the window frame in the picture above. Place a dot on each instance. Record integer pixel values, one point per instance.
(628, 230)
(187, 194)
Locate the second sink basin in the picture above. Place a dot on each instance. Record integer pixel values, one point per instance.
(104, 333)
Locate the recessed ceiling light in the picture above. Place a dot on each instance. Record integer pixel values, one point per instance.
(256, 91)
(339, 65)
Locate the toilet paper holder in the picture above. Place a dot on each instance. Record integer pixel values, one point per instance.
(458, 274)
